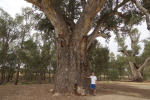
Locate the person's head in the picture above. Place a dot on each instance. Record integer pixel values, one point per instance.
(93, 73)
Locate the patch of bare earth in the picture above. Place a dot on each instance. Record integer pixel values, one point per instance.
(105, 91)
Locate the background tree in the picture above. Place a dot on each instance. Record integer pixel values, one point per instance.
(25, 23)
(98, 59)
(143, 56)
(118, 68)
(46, 32)
(7, 36)
(133, 35)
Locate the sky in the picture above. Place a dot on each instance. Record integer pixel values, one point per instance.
(14, 6)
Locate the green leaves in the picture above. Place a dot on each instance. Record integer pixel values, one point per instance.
(98, 57)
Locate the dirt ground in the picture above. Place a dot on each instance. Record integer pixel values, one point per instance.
(105, 91)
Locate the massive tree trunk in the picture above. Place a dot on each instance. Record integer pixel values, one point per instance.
(71, 63)
(136, 74)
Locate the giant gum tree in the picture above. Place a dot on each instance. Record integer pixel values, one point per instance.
(76, 24)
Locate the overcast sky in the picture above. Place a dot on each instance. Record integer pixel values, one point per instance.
(14, 6)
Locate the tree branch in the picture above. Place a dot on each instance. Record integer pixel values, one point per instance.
(120, 15)
(106, 16)
(144, 63)
(53, 15)
(145, 11)
(111, 13)
(124, 52)
(96, 32)
(92, 37)
(85, 21)
(121, 4)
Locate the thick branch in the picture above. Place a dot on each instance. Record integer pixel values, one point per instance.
(92, 37)
(133, 44)
(144, 63)
(96, 33)
(111, 13)
(85, 21)
(120, 15)
(106, 16)
(145, 11)
(53, 15)
(123, 47)
(121, 4)
(124, 52)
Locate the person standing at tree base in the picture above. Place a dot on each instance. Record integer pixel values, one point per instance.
(93, 83)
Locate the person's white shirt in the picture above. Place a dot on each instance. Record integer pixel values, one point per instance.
(93, 79)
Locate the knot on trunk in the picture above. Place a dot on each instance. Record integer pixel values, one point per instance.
(80, 90)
